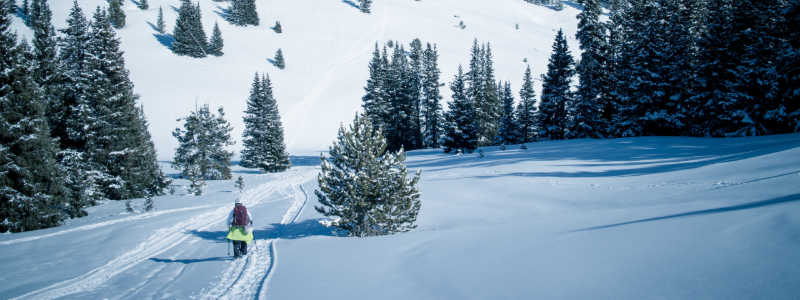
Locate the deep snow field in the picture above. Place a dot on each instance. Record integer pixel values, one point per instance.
(634, 218)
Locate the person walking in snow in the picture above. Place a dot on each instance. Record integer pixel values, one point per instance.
(240, 229)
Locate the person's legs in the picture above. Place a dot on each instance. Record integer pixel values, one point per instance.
(236, 249)
(243, 244)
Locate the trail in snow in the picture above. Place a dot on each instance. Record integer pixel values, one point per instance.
(101, 224)
(248, 278)
(165, 239)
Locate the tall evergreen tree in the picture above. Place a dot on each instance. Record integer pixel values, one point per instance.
(365, 186)
(72, 58)
(416, 77)
(45, 56)
(160, 25)
(202, 145)
(375, 104)
(507, 134)
(402, 128)
(482, 93)
(26, 10)
(433, 120)
(585, 112)
(789, 66)
(264, 147)
(115, 13)
(190, 38)
(461, 129)
(527, 114)
(215, 44)
(30, 182)
(556, 94)
(364, 5)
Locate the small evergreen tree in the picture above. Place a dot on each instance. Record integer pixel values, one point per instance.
(277, 27)
(215, 44)
(143, 5)
(366, 187)
(240, 183)
(263, 142)
(526, 110)
(364, 5)
(201, 145)
(129, 207)
(148, 204)
(279, 59)
(160, 25)
(507, 135)
(197, 183)
(461, 129)
(190, 38)
(115, 13)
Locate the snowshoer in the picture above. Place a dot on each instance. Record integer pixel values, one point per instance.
(240, 229)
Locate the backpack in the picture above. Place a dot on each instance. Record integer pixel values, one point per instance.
(240, 215)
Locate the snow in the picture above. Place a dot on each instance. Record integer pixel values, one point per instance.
(632, 218)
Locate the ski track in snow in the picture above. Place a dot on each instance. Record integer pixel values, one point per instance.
(164, 239)
(101, 224)
(248, 278)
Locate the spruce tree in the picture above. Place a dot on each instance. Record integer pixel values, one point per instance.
(264, 147)
(482, 92)
(26, 10)
(215, 44)
(366, 187)
(202, 144)
(433, 120)
(160, 25)
(71, 76)
(148, 204)
(277, 27)
(585, 112)
(190, 38)
(45, 56)
(364, 5)
(279, 59)
(556, 94)
(374, 101)
(129, 207)
(243, 13)
(31, 191)
(115, 13)
(143, 5)
(789, 65)
(415, 78)
(239, 183)
(402, 130)
(507, 133)
(197, 183)
(527, 114)
(461, 129)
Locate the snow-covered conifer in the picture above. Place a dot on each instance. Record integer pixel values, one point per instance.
(160, 25)
(45, 56)
(277, 27)
(279, 59)
(402, 125)
(263, 142)
(129, 207)
(239, 183)
(366, 188)
(364, 5)
(526, 110)
(143, 5)
(148, 204)
(556, 94)
(585, 112)
(190, 38)
(215, 44)
(115, 13)
(374, 101)
(461, 129)
(243, 13)
(202, 144)
(507, 133)
(433, 119)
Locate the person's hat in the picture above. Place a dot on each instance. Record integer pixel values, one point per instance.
(238, 201)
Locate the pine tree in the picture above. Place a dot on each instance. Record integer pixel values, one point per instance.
(201, 145)
(279, 59)
(585, 112)
(264, 147)
(143, 5)
(364, 5)
(507, 134)
(196, 178)
(240, 183)
(402, 127)
(160, 25)
(129, 207)
(461, 129)
(115, 13)
(277, 27)
(366, 187)
(26, 10)
(433, 120)
(243, 13)
(415, 78)
(31, 194)
(148, 204)
(190, 38)
(215, 44)
(556, 94)
(374, 101)
(789, 65)
(482, 93)
(527, 114)
(45, 56)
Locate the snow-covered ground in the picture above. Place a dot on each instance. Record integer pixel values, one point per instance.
(634, 218)
(327, 45)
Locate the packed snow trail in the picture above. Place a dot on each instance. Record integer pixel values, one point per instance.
(164, 239)
(248, 278)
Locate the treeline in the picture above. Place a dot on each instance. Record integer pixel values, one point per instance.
(70, 130)
(715, 68)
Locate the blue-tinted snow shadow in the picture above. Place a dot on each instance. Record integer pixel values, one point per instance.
(136, 2)
(303, 229)
(639, 156)
(305, 161)
(191, 261)
(751, 205)
(222, 12)
(165, 39)
(348, 2)
(271, 61)
(175, 9)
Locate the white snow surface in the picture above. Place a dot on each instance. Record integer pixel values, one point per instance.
(327, 46)
(633, 218)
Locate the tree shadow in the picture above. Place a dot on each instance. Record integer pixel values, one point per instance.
(305, 161)
(175, 9)
(136, 3)
(165, 39)
(191, 261)
(292, 231)
(348, 2)
(223, 13)
(751, 205)
(272, 61)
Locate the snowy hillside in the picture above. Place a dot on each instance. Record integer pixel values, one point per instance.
(635, 218)
(327, 45)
